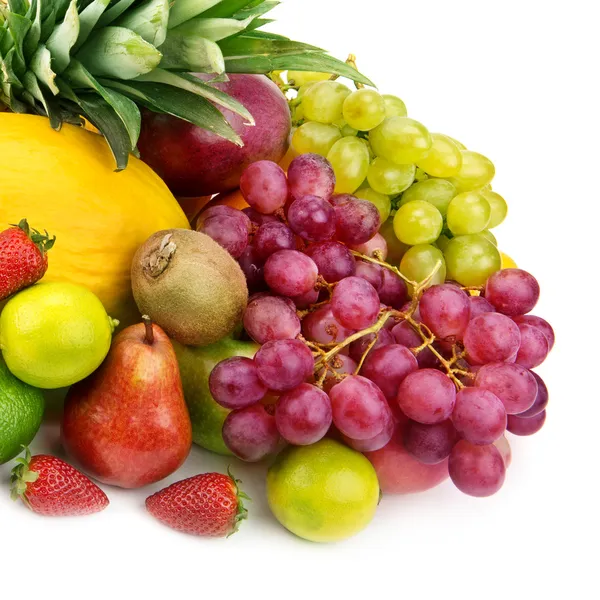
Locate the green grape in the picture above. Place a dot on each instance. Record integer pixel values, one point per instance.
(350, 160)
(468, 213)
(303, 89)
(498, 205)
(394, 107)
(396, 249)
(364, 109)
(419, 262)
(315, 138)
(401, 140)
(324, 100)
(345, 129)
(476, 172)
(390, 179)
(420, 175)
(300, 78)
(471, 259)
(298, 113)
(488, 235)
(459, 144)
(444, 159)
(438, 192)
(418, 223)
(442, 242)
(381, 201)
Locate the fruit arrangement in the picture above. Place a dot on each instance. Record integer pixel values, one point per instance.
(291, 272)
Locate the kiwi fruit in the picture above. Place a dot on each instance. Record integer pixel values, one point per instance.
(189, 285)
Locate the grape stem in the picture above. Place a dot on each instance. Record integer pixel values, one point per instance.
(351, 61)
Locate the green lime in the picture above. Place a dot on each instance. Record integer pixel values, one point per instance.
(21, 411)
(325, 492)
(54, 334)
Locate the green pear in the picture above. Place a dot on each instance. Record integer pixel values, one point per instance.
(195, 365)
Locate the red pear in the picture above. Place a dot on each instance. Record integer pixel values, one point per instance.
(127, 424)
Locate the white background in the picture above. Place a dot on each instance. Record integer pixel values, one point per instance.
(515, 81)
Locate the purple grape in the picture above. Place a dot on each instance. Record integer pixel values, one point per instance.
(491, 337)
(405, 335)
(303, 415)
(534, 347)
(375, 443)
(376, 243)
(291, 273)
(227, 226)
(234, 383)
(357, 221)
(427, 396)
(430, 444)
(264, 186)
(479, 305)
(355, 303)
(342, 365)
(334, 260)
(312, 218)
(311, 175)
(540, 323)
(322, 327)
(541, 399)
(445, 309)
(360, 410)
(479, 416)
(284, 365)
(251, 433)
(388, 366)
(393, 291)
(504, 447)
(272, 237)
(252, 268)
(512, 291)
(518, 425)
(305, 300)
(268, 318)
(513, 384)
(371, 273)
(258, 218)
(359, 347)
(476, 470)
(267, 294)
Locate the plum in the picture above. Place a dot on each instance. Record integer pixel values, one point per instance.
(196, 162)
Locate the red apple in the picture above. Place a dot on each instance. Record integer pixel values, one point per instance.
(196, 162)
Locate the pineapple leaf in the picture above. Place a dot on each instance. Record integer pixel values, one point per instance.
(33, 87)
(179, 103)
(256, 11)
(88, 20)
(322, 63)
(182, 52)
(40, 64)
(19, 27)
(264, 35)
(149, 21)
(243, 47)
(18, 7)
(212, 29)
(126, 110)
(257, 23)
(118, 52)
(103, 116)
(48, 25)
(184, 10)
(61, 7)
(227, 8)
(114, 12)
(188, 82)
(32, 39)
(63, 38)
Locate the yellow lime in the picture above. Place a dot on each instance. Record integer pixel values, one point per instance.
(54, 334)
(507, 261)
(325, 492)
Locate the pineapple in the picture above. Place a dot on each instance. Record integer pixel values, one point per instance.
(100, 60)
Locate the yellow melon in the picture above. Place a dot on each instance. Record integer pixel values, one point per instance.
(65, 182)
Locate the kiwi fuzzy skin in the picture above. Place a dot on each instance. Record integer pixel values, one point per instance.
(189, 285)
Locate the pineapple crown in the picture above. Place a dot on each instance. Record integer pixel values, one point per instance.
(103, 59)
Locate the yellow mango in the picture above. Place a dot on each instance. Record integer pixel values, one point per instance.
(65, 182)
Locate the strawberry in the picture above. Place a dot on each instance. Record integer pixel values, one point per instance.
(23, 258)
(209, 505)
(50, 486)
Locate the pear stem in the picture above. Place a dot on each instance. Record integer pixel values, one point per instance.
(149, 339)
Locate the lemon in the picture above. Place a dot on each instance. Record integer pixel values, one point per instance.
(325, 492)
(54, 334)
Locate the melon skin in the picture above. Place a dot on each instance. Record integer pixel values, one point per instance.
(195, 162)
